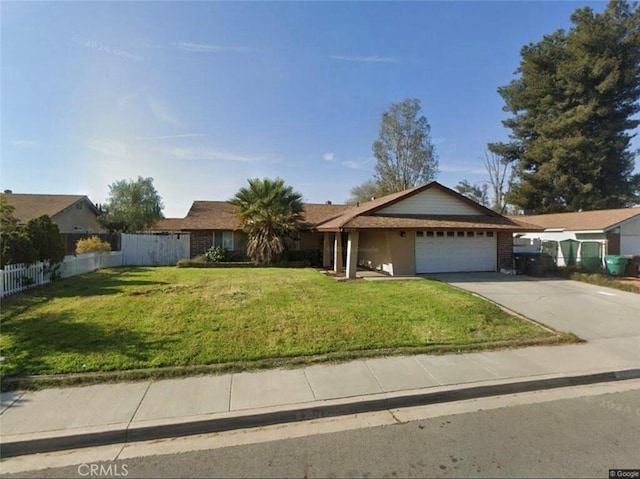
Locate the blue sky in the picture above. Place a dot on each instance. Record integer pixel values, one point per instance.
(201, 96)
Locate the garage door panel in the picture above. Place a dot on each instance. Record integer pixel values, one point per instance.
(447, 254)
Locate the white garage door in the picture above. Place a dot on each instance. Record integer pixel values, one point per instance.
(455, 251)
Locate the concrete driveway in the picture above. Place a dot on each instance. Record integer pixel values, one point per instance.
(591, 312)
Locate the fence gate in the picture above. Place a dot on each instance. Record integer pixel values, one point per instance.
(154, 249)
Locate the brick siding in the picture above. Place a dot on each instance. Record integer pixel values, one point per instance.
(505, 250)
(201, 241)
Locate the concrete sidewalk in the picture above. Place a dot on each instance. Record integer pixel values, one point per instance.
(56, 419)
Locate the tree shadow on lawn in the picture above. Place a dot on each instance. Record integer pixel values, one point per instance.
(99, 283)
(40, 341)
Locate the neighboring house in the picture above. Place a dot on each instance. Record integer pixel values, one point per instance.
(72, 213)
(427, 229)
(215, 223)
(618, 230)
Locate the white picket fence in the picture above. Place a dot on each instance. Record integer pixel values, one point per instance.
(136, 250)
(154, 250)
(18, 277)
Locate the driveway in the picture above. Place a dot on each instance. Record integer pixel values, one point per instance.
(591, 312)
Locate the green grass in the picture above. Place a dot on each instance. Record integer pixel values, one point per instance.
(602, 279)
(130, 318)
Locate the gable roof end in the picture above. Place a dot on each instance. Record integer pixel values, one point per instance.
(30, 206)
(370, 207)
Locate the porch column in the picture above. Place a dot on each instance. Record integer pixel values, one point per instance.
(352, 254)
(337, 253)
(326, 251)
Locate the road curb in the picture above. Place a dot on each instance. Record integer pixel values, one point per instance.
(358, 405)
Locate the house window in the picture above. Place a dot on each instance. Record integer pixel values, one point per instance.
(461, 233)
(450, 234)
(419, 234)
(440, 234)
(489, 234)
(224, 239)
(429, 234)
(480, 233)
(470, 234)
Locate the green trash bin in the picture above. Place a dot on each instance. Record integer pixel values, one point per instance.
(615, 264)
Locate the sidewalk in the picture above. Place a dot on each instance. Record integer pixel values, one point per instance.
(56, 419)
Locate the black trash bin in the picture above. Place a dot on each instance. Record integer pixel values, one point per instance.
(534, 264)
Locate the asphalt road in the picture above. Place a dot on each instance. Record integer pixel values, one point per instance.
(578, 437)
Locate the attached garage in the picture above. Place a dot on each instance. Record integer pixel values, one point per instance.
(455, 251)
(426, 229)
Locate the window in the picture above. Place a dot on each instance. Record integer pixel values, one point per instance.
(470, 234)
(429, 234)
(224, 239)
(440, 234)
(489, 234)
(480, 233)
(461, 233)
(450, 234)
(419, 234)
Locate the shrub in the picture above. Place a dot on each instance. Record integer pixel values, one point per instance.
(216, 254)
(45, 238)
(312, 257)
(92, 245)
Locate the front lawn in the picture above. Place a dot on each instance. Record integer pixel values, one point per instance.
(129, 318)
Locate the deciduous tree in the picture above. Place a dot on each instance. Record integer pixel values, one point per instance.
(405, 155)
(132, 206)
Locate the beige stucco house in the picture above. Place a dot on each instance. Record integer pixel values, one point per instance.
(72, 213)
(427, 229)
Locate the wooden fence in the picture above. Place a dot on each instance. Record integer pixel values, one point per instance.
(154, 249)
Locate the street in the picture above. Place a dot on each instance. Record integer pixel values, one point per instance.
(581, 436)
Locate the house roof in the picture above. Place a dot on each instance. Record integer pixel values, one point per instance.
(168, 224)
(221, 215)
(29, 206)
(582, 221)
(435, 222)
(363, 216)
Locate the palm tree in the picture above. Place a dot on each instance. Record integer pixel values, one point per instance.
(271, 214)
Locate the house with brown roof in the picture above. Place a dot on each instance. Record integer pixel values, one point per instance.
(427, 229)
(72, 213)
(617, 229)
(215, 223)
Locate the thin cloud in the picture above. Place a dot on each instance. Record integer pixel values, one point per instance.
(168, 137)
(210, 155)
(110, 148)
(25, 143)
(329, 156)
(160, 112)
(354, 165)
(364, 59)
(206, 48)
